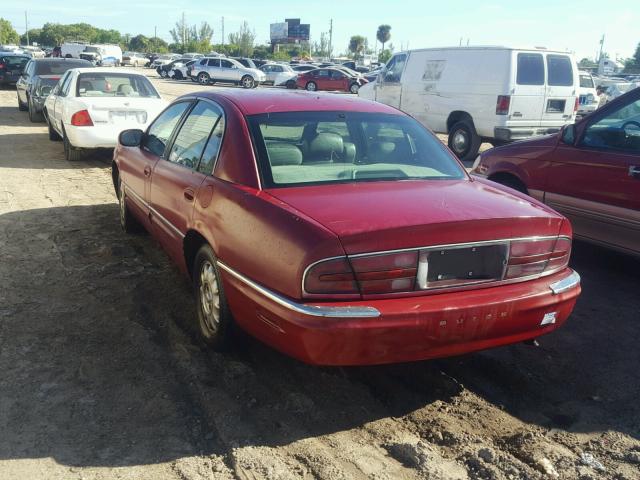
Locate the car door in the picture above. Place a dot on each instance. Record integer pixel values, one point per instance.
(21, 84)
(595, 179)
(339, 81)
(50, 101)
(229, 71)
(137, 170)
(61, 98)
(176, 177)
(389, 85)
(213, 69)
(323, 79)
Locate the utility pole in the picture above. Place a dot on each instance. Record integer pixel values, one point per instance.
(330, 38)
(26, 26)
(184, 31)
(155, 37)
(223, 31)
(601, 48)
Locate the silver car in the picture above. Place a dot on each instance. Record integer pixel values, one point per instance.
(226, 70)
(272, 70)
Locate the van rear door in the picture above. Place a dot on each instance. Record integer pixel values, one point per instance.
(560, 94)
(527, 98)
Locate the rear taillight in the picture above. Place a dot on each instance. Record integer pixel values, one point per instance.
(533, 257)
(333, 276)
(576, 104)
(1, 66)
(502, 105)
(387, 273)
(81, 119)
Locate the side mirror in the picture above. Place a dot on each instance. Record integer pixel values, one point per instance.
(568, 134)
(131, 137)
(45, 90)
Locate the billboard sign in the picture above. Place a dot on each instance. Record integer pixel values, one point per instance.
(279, 31)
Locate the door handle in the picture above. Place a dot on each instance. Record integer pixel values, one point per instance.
(147, 171)
(189, 194)
(634, 171)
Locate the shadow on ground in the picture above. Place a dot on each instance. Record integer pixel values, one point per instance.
(100, 366)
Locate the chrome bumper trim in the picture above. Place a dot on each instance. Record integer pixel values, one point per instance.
(565, 284)
(311, 310)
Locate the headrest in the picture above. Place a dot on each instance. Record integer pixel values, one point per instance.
(281, 153)
(326, 147)
(125, 89)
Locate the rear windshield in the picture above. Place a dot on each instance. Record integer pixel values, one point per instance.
(530, 69)
(13, 62)
(59, 67)
(296, 148)
(586, 81)
(559, 71)
(114, 85)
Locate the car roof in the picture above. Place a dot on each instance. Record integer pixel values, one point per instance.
(107, 70)
(255, 102)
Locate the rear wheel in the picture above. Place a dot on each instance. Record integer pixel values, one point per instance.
(203, 78)
(247, 81)
(214, 317)
(510, 181)
(34, 116)
(178, 75)
(311, 86)
(21, 106)
(464, 141)
(71, 154)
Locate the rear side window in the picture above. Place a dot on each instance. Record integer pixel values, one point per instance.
(226, 64)
(559, 71)
(530, 69)
(213, 62)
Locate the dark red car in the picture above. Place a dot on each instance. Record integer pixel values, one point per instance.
(329, 79)
(340, 231)
(589, 171)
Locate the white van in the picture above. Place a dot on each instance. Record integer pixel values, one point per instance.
(99, 54)
(475, 94)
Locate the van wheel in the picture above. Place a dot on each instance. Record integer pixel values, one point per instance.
(215, 323)
(464, 141)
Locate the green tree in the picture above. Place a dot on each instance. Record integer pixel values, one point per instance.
(383, 34)
(356, 45)
(34, 36)
(384, 56)
(636, 57)
(139, 43)
(321, 48)
(244, 39)
(587, 63)
(7, 32)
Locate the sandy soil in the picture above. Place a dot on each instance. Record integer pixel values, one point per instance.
(101, 379)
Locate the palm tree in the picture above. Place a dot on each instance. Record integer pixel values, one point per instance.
(356, 45)
(383, 34)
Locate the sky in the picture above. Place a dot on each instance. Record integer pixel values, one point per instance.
(575, 25)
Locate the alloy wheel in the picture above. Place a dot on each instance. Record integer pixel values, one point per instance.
(209, 297)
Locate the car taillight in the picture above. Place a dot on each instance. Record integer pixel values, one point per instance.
(577, 103)
(333, 276)
(532, 257)
(81, 119)
(502, 105)
(1, 65)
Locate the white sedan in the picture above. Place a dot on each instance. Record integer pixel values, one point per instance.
(89, 107)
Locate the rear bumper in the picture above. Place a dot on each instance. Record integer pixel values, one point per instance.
(402, 329)
(98, 136)
(520, 133)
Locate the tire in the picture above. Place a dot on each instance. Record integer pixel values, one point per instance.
(464, 141)
(128, 222)
(354, 88)
(21, 106)
(53, 135)
(311, 86)
(178, 75)
(511, 182)
(291, 84)
(34, 117)
(203, 78)
(163, 73)
(247, 81)
(71, 154)
(135, 64)
(215, 324)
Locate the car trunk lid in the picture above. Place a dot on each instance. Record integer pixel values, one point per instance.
(131, 111)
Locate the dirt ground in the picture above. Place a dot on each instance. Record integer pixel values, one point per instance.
(101, 379)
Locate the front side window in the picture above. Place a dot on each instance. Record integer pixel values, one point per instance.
(194, 134)
(559, 71)
(114, 85)
(159, 132)
(530, 69)
(227, 64)
(393, 70)
(619, 130)
(297, 148)
(337, 75)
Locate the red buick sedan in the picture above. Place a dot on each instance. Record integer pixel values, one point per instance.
(340, 231)
(589, 172)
